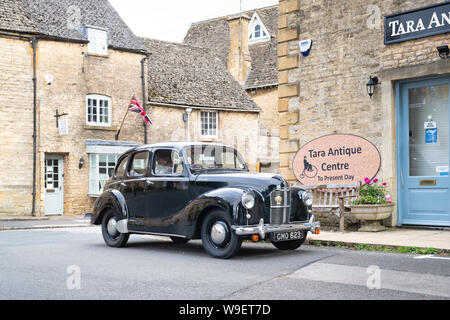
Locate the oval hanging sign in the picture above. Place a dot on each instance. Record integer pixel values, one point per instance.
(336, 159)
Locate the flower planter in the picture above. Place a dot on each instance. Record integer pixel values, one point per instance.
(372, 214)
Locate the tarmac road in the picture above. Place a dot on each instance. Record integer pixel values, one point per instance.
(74, 263)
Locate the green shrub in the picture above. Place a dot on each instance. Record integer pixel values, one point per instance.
(371, 192)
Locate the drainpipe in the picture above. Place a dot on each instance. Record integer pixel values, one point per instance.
(188, 115)
(144, 101)
(34, 42)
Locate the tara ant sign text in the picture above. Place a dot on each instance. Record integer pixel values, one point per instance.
(336, 159)
(417, 23)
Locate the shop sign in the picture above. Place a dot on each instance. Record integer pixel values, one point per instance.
(336, 159)
(417, 23)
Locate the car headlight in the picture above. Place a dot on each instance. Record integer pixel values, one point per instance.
(248, 200)
(308, 198)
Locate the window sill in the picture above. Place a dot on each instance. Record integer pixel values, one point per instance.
(93, 195)
(104, 128)
(208, 138)
(98, 55)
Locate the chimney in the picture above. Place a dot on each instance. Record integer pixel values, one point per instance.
(239, 61)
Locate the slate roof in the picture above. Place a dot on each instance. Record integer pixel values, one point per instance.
(65, 19)
(214, 34)
(184, 75)
(14, 18)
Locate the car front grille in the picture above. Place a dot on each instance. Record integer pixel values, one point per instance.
(280, 211)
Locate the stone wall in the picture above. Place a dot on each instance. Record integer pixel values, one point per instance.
(269, 132)
(117, 75)
(16, 123)
(325, 92)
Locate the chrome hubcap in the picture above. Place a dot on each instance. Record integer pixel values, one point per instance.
(218, 233)
(112, 227)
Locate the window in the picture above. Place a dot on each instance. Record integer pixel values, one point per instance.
(214, 157)
(139, 164)
(121, 168)
(208, 122)
(98, 110)
(101, 170)
(98, 40)
(257, 32)
(167, 162)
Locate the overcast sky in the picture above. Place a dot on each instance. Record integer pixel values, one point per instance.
(170, 19)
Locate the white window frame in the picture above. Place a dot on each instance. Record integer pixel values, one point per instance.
(209, 120)
(98, 40)
(97, 106)
(96, 182)
(251, 30)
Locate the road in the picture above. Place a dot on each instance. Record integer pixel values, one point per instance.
(74, 263)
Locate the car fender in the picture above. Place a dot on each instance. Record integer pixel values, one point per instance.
(226, 198)
(112, 199)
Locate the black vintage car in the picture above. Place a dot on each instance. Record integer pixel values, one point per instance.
(201, 191)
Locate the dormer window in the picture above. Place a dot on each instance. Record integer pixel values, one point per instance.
(98, 40)
(257, 32)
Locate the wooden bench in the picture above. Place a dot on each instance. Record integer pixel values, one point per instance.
(334, 198)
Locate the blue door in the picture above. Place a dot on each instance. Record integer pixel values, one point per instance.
(423, 152)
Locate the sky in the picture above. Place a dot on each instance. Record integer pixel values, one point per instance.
(169, 20)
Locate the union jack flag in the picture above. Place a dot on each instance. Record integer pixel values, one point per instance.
(136, 107)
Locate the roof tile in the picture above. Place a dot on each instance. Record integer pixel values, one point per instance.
(214, 34)
(190, 76)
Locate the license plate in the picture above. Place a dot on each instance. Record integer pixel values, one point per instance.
(286, 236)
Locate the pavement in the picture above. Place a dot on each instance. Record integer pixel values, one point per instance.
(29, 223)
(393, 237)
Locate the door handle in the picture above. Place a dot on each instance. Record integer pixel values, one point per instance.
(149, 182)
(123, 185)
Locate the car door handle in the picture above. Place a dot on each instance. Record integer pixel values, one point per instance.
(123, 184)
(149, 182)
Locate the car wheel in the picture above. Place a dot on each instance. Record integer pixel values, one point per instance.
(111, 235)
(290, 245)
(218, 239)
(179, 240)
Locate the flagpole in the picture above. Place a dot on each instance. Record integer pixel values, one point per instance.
(123, 120)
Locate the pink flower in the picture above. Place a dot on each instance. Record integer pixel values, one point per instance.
(384, 183)
(375, 180)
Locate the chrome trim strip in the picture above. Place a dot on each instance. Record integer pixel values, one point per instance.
(159, 234)
(177, 179)
(262, 229)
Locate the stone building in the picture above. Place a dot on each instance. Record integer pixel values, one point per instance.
(246, 44)
(193, 97)
(325, 92)
(87, 65)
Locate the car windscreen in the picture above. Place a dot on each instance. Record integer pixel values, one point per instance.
(214, 157)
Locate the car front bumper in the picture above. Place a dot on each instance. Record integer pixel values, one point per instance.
(262, 229)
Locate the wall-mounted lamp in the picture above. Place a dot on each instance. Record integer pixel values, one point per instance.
(443, 51)
(370, 86)
(81, 163)
(186, 114)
